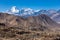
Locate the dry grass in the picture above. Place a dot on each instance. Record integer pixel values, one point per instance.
(14, 33)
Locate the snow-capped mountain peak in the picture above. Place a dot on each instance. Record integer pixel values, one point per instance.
(26, 11)
(14, 9)
(21, 12)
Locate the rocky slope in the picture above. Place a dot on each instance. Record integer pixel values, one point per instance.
(13, 20)
(31, 28)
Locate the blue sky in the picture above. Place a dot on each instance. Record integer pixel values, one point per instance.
(34, 4)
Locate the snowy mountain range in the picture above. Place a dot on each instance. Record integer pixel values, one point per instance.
(25, 12)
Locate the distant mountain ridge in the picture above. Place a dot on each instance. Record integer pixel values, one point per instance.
(26, 12)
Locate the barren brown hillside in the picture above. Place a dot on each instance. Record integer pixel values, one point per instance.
(39, 27)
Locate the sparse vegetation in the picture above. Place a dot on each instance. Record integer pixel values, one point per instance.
(39, 27)
(12, 33)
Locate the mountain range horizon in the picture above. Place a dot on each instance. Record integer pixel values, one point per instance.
(17, 23)
(26, 12)
(29, 19)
